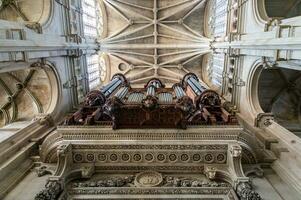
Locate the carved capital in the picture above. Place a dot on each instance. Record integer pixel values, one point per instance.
(264, 120)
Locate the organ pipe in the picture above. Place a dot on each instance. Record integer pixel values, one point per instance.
(115, 83)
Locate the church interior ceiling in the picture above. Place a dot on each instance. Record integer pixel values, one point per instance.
(144, 99)
(154, 39)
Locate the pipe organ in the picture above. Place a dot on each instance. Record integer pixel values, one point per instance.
(187, 103)
(154, 140)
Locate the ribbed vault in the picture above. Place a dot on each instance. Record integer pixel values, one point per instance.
(25, 10)
(155, 38)
(26, 93)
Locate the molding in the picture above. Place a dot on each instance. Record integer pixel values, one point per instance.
(290, 178)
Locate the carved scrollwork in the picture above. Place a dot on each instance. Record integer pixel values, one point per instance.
(185, 104)
(245, 192)
(150, 102)
(94, 98)
(208, 98)
(52, 191)
(149, 179)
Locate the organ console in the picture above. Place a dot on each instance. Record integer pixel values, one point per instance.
(154, 106)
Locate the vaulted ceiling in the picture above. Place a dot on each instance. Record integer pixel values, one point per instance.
(146, 39)
(25, 10)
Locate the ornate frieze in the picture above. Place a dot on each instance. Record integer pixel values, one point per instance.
(150, 153)
(149, 182)
(154, 191)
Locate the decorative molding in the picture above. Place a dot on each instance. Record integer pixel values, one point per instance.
(245, 192)
(90, 153)
(148, 179)
(52, 191)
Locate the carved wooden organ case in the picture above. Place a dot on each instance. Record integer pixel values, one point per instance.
(149, 143)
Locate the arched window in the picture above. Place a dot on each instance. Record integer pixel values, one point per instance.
(103, 69)
(218, 18)
(92, 18)
(214, 70)
(97, 70)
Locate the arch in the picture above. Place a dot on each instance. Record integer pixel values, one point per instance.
(93, 18)
(213, 28)
(213, 67)
(260, 13)
(28, 92)
(279, 92)
(98, 70)
(104, 20)
(28, 11)
(252, 85)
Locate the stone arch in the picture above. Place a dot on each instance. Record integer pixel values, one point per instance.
(252, 88)
(260, 11)
(279, 93)
(104, 19)
(27, 10)
(28, 92)
(276, 90)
